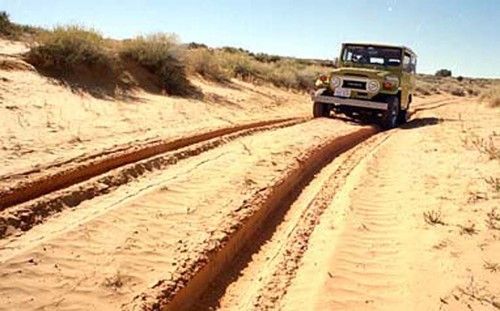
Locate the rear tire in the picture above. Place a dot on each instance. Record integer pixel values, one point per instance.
(321, 110)
(391, 116)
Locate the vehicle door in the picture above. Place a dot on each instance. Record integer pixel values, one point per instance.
(406, 80)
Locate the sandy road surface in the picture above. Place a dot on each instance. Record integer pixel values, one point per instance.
(320, 215)
(356, 238)
(110, 249)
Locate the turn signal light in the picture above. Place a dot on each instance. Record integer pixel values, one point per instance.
(388, 85)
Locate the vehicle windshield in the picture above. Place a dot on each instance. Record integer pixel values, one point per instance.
(371, 55)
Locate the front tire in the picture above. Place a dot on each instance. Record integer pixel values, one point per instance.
(403, 116)
(391, 116)
(321, 110)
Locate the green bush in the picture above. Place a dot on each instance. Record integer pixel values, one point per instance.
(443, 73)
(66, 48)
(161, 54)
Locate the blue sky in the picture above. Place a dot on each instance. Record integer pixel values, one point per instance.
(461, 35)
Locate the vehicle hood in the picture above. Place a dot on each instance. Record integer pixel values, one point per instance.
(362, 72)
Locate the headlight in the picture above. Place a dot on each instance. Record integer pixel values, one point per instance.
(391, 82)
(373, 86)
(335, 82)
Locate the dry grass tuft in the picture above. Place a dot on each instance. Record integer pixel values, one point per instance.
(207, 63)
(483, 145)
(460, 86)
(493, 220)
(12, 30)
(494, 183)
(161, 54)
(65, 48)
(469, 229)
(223, 64)
(476, 196)
(433, 217)
(491, 266)
(492, 96)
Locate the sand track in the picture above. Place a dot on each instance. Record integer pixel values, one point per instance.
(154, 235)
(261, 273)
(25, 186)
(316, 215)
(128, 163)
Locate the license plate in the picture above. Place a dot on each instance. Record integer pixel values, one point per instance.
(340, 92)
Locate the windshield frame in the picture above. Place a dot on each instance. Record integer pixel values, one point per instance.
(370, 65)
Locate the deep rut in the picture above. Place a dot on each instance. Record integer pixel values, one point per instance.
(32, 184)
(76, 190)
(259, 277)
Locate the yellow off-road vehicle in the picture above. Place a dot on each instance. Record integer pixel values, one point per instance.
(372, 80)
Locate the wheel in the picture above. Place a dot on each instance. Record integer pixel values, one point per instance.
(390, 117)
(321, 110)
(403, 116)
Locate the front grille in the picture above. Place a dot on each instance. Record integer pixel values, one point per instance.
(357, 85)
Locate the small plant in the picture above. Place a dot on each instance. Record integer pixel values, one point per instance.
(476, 196)
(469, 229)
(485, 146)
(494, 183)
(115, 282)
(433, 217)
(491, 266)
(493, 220)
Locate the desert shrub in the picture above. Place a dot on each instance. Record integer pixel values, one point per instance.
(286, 73)
(162, 55)
(241, 65)
(266, 58)
(7, 28)
(457, 91)
(291, 74)
(207, 64)
(14, 31)
(472, 91)
(5, 23)
(421, 90)
(426, 85)
(460, 78)
(307, 77)
(492, 97)
(65, 48)
(443, 73)
(196, 45)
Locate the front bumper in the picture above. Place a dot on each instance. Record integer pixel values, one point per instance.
(338, 101)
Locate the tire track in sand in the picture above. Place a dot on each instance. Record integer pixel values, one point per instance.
(24, 216)
(34, 184)
(263, 272)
